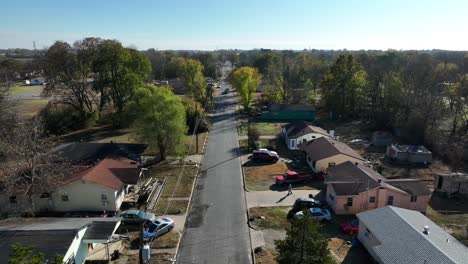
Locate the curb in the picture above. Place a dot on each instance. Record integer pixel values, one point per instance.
(189, 205)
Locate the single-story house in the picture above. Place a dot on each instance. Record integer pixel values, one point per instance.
(451, 184)
(299, 132)
(322, 153)
(86, 152)
(287, 112)
(71, 238)
(101, 187)
(354, 188)
(395, 235)
(412, 154)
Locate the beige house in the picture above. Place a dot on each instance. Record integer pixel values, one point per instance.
(101, 187)
(323, 153)
(354, 188)
(299, 132)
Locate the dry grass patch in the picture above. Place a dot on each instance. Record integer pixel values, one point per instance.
(172, 172)
(175, 207)
(30, 108)
(168, 240)
(260, 176)
(270, 217)
(266, 256)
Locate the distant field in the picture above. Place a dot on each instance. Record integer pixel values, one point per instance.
(29, 108)
(19, 88)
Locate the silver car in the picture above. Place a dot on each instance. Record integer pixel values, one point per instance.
(158, 228)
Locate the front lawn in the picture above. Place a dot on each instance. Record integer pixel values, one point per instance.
(30, 108)
(19, 88)
(172, 172)
(175, 207)
(270, 217)
(264, 128)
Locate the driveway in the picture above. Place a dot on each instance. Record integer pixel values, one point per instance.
(275, 198)
(216, 229)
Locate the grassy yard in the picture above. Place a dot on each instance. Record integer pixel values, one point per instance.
(172, 172)
(20, 88)
(260, 176)
(456, 223)
(30, 108)
(264, 128)
(176, 207)
(168, 240)
(274, 217)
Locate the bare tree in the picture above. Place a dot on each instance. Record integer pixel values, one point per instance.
(28, 165)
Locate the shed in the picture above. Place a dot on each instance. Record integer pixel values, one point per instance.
(288, 112)
(454, 183)
(382, 138)
(412, 154)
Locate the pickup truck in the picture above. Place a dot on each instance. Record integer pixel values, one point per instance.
(292, 177)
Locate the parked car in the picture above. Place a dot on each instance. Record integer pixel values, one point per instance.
(292, 177)
(158, 228)
(265, 155)
(304, 203)
(317, 213)
(136, 216)
(350, 227)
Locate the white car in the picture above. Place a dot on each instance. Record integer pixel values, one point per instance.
(317, 213)
(158, 228)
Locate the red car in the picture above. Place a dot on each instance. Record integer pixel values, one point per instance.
(350, 227)
(292, 177)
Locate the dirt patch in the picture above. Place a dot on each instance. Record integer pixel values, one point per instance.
(260, 176)
(168, 240)
(266, 256)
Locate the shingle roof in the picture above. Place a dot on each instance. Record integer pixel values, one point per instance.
(350, 179)
(400, 232)
(85, 151)
(300, 128)
(110, 172)
(100, 230)
(324, 147)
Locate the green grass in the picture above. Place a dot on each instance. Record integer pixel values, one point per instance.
(19, 88)
(190, 143)
(171, 172)
(175, 207)
(456, 222)
(30, 108)
(275, 217)
(264, 128)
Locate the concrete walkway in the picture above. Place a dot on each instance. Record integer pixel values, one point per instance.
(179, 221)
(276, 198)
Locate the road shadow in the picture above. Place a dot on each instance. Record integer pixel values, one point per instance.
(251, 163)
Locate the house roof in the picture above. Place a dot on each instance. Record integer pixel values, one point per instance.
(100, 230)
(111, 172)
(59, 233)
(350, 179)
(300, 128)
(324, 147)
(411, 149)
(401, 237)
(89, 152)
(291, 107)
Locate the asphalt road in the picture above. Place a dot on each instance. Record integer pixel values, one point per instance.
(217, 230)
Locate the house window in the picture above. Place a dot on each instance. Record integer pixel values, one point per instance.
(103, 197)
(331, 197)
(414, 198)
(331, 164)
(65, 198)
(372, 199)
(293, 143)
(390, 200)
(13, 199)
(349, 203)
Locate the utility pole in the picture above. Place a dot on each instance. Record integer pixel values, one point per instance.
(248, 133)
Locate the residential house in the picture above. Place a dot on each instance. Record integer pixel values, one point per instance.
(451, 184)
(323, 153)
(71, 238)
(412, 154)
(354, 188)
(395, 235)
(299, 132)
(287, 112)
(99, 187)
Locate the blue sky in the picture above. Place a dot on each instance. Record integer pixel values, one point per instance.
(243, 24)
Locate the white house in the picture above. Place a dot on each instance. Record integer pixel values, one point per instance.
(101, 187)
(72, 238)
(323, 152)
(395, 235)
(299, 132)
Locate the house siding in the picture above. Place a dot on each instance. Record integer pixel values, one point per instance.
(85, 196)
(368, 240)
(322, 165)
(361, 201)
(77, 249)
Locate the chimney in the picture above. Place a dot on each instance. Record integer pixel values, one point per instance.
(426, 230)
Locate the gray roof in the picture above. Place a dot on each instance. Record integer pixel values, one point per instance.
(100, 230)
(411, 149)
(400, 232)
(324, 147)
(300, 128)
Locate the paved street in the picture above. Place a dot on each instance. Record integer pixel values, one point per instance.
(217, 230)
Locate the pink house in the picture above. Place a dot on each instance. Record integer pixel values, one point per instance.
(354, 188)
